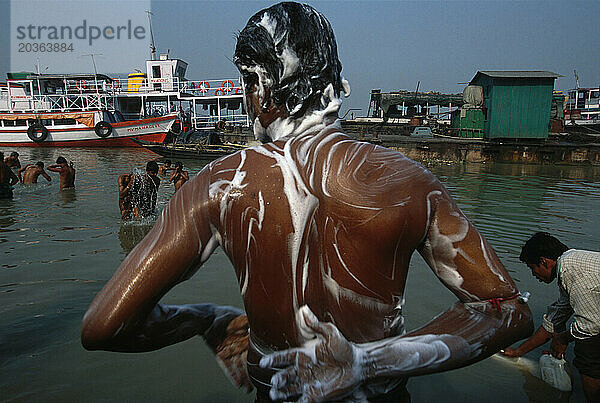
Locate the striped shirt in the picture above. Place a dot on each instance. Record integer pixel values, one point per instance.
(578, 273)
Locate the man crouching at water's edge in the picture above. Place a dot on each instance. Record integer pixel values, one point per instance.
(320, 229)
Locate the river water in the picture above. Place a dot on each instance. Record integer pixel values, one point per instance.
(57, 249)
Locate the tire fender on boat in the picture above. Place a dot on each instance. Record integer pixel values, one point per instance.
(103, 129)
(34, 129)
(219, 91)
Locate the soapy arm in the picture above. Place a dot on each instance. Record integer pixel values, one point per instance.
(487, 318)
(125, 315)
(540, 337)
(179, 242)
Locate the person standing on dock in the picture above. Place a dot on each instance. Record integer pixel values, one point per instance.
(7, 179)
(179, 176)
(31, 173)
(66, 171)
(320, 229)
(578, 273)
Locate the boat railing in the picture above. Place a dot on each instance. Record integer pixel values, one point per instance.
(193, 88)
(210, 122)
(57, 103)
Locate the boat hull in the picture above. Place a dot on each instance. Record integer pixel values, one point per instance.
(192, 151)
(152, 129)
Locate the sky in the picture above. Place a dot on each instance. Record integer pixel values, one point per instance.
(387, 45)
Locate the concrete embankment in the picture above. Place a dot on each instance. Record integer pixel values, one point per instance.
(555, 150)
(558, 149)
(458, 150)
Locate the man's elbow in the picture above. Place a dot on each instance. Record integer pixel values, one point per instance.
(522, 321)
(95, 334)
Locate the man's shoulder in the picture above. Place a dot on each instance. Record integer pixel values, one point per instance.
(578, 261)
(575, 254)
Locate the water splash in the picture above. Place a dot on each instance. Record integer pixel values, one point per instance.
(143, 194)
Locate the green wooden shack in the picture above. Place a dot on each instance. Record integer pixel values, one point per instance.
(516, 104)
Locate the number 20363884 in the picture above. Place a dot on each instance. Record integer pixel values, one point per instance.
(34, 47)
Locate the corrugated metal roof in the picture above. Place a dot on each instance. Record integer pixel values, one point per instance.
(519, 74)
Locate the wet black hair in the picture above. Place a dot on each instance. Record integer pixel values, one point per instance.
(14, 154)
(178, 164)
(152, 167)
(40, 164)
(168, 162)
(298, 29)
(61, 160)
(540, 245)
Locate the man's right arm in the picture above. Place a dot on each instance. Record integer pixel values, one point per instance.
(20, 173)
(540, 337)
(46, 176)
(554, 322)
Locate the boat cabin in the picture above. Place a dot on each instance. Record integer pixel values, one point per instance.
(583, 103)
(165, 74)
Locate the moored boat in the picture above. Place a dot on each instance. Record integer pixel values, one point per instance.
(70, 110)
(198, 151)
(80, 129)
(582, 110)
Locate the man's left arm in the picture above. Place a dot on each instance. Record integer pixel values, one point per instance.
(487, 318)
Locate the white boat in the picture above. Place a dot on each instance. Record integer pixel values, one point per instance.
(163, 88)
(582, 108)
(69, 110)
(100, 111)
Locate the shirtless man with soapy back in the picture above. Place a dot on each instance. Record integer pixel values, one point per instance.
(320, 229)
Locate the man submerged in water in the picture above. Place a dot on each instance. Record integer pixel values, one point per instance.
(320, 229)
(30, 173)
(66, 171)
(7, 179)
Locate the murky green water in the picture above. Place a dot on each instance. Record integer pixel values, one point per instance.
(58, 249)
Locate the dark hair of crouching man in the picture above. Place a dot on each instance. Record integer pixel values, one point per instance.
(287, 55)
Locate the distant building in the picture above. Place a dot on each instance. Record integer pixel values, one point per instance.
(506, 105)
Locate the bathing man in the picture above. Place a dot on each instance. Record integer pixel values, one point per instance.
(31, 173)
(179, 176)
(7, 179)
(143, 191)
(13, 160)
(66, 171)
(320, 229)
(125, 204)
(164, 168)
